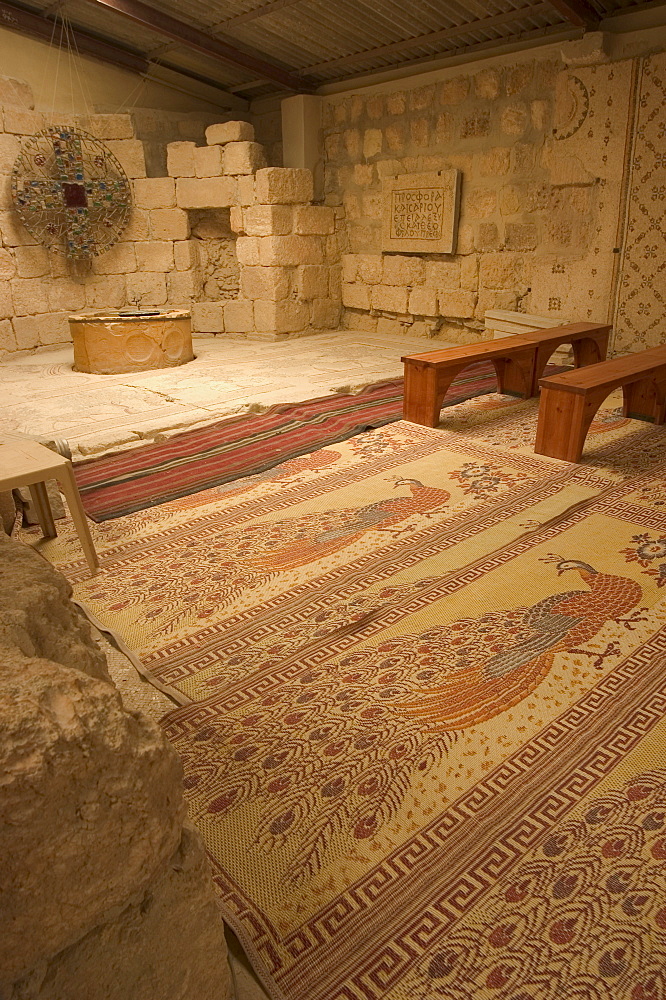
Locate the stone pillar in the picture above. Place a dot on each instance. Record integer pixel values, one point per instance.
(301, 136)
(105, 893)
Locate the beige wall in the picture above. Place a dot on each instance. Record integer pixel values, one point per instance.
(543, 141)
(80, 85)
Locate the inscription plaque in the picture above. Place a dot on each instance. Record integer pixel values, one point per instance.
(420, 212)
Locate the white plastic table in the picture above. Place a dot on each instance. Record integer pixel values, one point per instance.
(27, 463)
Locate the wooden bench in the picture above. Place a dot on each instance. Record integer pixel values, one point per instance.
(570, 401)
(519, 363)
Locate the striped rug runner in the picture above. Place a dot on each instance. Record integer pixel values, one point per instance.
(236, 447)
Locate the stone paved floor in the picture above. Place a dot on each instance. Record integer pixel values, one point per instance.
(40, 394)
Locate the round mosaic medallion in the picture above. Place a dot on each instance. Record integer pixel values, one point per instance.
(71, 192)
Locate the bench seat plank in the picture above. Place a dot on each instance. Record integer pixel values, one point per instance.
(519, 361)
(569, 401)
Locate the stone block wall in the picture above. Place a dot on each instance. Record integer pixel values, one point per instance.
(287, 248)
(222, 233)
(541, 146)
(105, 891)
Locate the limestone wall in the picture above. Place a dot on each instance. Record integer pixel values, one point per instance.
(237, 241)
(104, 892)
(543, 144)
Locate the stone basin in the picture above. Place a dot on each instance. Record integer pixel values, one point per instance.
(111, 343)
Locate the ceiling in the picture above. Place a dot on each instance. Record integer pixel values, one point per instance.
(250, 48)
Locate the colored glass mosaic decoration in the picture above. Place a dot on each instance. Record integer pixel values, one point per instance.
(71, 192)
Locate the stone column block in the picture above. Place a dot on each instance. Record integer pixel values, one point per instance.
(138, 227)
(243, 157)
(110, 126)
(53, 328)
(423, 302)
(7, 337)
(208, 317)
(312, 281)
(120, 259)
(239, 316)
(23, 122)
(32, 261)
(229, 132)
(281, 317)
(7, 265)
(169, 224)
(399, 270)
(268, 220)
(237, 219)
(247, 250)
(154, 192)
(146, 288)
(457, 304)
(10, 148)
(284, 186)
(356, 296)
(65, 293)
(29, 296)
(206, 192)
(246, 190)
(325, 314)
(290, 250)
(271, 283)
(131, 155)
(26, 332)
(180, 159)
(390, 298)
(314, 220)
(186, 255)
(107, 291)
(209, 161)
(6, 304)
(183, 286)
(442, 274)
(14, 233)
(501, 270)
(154, 255)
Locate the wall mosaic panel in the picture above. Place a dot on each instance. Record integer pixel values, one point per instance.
(639, 318)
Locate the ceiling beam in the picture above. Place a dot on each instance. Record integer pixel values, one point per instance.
(194, 38)
(433, 37)
(252, 15)
(29, 23)
(577, 12)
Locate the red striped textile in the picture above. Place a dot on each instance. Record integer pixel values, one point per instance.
(236, 447)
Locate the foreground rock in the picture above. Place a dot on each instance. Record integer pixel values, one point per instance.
(105, 893)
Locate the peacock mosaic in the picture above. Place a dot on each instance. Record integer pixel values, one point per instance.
(400, 670)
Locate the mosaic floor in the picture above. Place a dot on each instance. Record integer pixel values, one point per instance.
(40, 394)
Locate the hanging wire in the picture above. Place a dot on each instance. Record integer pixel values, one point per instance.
(47, 61)
(57, 72)
(75, 58)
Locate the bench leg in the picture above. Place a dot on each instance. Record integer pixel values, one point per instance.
(590, 350)
(564, 420)
(424, 393)
(645, 400)
(515, 375)
(40, 501)
(71, 491)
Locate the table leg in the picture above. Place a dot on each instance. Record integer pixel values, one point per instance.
(71, 491)
(40, 501)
